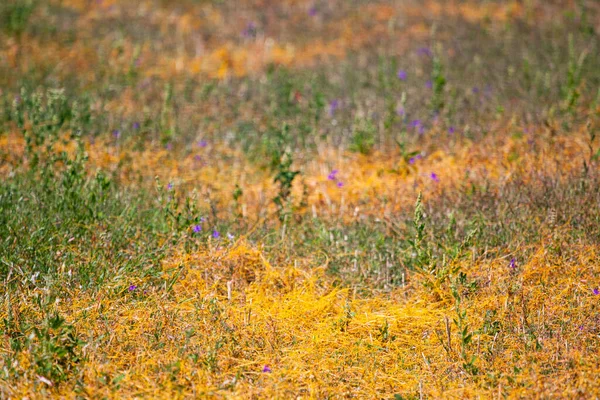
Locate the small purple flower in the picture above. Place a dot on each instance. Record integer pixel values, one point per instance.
(131, 288)
(333, 106)
(170, 186)
(428, 84)
(424, 51)
(266, 368)
(596, 291)
(434, 176)
(169, 146)
(136, 125)
(202, 219)
(421, 129)
(197, 157)
(116, 133)
(250, 30)
(400, 111)
(202, 143)
(402, 75)
(197, 228)
(312, 11)
(340, 184)
(416, 123)
(414, 159)
(332, 175)
(216, 234)
(513, 263)
(451, 130)
(230, 236)
(475, 90)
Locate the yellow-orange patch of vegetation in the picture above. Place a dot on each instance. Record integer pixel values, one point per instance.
(474, 11)
(231, 313)
(377, 184)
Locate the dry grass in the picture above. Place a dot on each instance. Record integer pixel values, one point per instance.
(231, 313)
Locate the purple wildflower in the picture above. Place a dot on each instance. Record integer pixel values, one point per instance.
(414, 159)
(266, 368)
(216, 234)
(475, 90)
(421, 129)
(131, 288)
(513, 263)
(332, 175)
(340, 184)
(333, 106)
(202, 143)
(400, 111)
(416, 123)
(451, 130)
(230, 236)
(202, 219)
(596, 291)
(170, 186)
(434, 176)
(169, 146)
(428, 84)
(312, 11)
(424, 51)
(116, 133)
(250, 30)
(197, 228)
(197, 157)
(402, 75)
(136, 125)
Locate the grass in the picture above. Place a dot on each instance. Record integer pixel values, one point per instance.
(324, 200)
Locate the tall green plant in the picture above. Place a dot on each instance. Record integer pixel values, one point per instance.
(281, 163)
(438, 83)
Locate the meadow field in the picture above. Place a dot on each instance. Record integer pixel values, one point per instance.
(299, 199)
